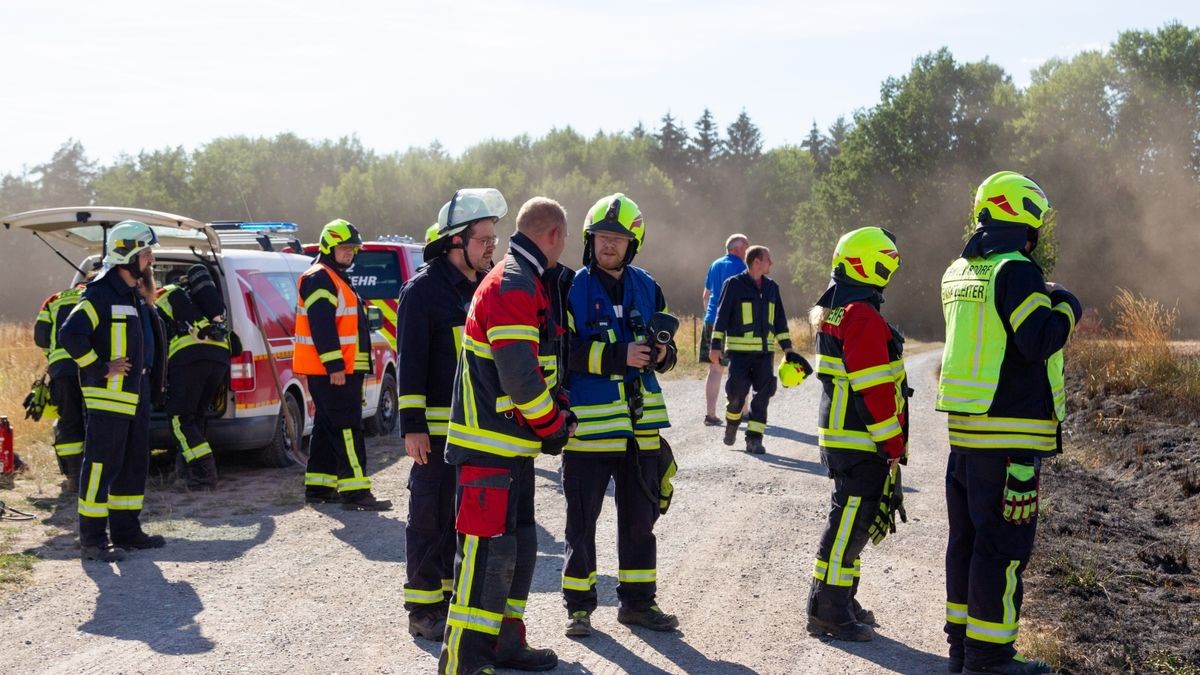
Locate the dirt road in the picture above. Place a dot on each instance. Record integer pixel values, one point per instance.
(254, 581)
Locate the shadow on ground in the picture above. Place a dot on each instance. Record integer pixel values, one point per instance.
(140, 605)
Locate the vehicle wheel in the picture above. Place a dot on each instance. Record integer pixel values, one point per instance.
(383, 422)
(287, 447)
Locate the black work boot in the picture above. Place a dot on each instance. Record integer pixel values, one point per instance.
(754, 445)
(580, 624)
(731, 428)
(651, 617)
(428, 623)
(318, 495)
(512, 651)
(852, 631)
(141, 540)
(105, 552)
(866, 616)
(1017, 665)
(72, 464)
(202, 473)
(363, 500)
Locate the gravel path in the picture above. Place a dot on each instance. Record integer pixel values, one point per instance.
(254, 581)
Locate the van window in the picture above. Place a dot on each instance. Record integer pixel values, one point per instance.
(275, 300)
(416, 258)
(376, 275)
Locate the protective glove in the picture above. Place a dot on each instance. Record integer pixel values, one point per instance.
(554, 443)
(666, 471)
(891, 504)
(1021, 491)
(37, 400)
(794, 357)
(213, 331)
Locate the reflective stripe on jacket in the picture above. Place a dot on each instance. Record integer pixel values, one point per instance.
(50, 319)
(750, 318)
(183, 323)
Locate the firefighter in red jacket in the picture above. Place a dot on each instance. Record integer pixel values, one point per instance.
(506, 409)
(862, 430)
(333, 349)
(429, 320)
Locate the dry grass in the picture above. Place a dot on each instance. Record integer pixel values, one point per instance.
(21, 362)
(1138, 353)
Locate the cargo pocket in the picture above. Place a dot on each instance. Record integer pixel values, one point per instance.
(483, 500)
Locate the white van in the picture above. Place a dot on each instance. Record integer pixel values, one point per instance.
(266, 407)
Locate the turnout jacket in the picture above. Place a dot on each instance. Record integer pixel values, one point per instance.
(750, 318)
(326, 301)
(864, 389)
(184, 323)
(105, 325)
(603, 388)
(429, 321)
(50, 319)
(507, 399)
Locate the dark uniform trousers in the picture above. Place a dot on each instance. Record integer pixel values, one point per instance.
(747, 370)
(497, 549)
(585, 481)
(429, 536)
(984, 561)
(67, 396)
(337, 453)
(857, 488)
(191, 388)
(112, 483)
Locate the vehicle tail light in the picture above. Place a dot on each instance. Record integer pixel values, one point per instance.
(241, 372)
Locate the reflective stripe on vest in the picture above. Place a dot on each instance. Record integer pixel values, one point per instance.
(305, 359)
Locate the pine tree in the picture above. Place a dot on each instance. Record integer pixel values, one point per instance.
(743, 140)
(672, 142)
(706, 146)
(818, 147)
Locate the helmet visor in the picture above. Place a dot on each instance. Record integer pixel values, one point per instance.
(144, 239)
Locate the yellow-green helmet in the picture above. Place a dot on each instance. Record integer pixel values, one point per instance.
(1009, 198)
(336, 233)
(867, 255)
(790, 374)
(618, 214)
(126, 240)
(431, 232)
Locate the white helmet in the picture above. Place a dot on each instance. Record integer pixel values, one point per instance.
(126, 239)
(465, 207)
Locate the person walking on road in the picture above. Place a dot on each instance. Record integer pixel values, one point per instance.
(333, 349)
(116, 339)
(750, 321)
(621, 410)
(1002, 384)
(728, 265)
(507, 407)
(430, 317)
(861, 426)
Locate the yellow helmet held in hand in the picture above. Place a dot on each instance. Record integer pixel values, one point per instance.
(1009, 198)
(790, 374)
(338, 232)
(867, 255)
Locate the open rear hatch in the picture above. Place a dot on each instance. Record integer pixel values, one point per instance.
(85, 227)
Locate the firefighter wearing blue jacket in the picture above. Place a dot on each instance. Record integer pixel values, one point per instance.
(1002, 383)
(620, 409)
(750, 321)
(115, 337)
(430, 317)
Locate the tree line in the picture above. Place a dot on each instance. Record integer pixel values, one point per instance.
(1113, 136)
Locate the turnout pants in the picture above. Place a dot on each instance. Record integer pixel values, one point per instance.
(429, 536)
(337, 456)
(112, 483)
(191, 388)
(985, 557)
(66, 395)
(750, 370)
(585, 481)
(858, 479)
(497, 549)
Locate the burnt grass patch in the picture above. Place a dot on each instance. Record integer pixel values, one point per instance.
(1115, 578)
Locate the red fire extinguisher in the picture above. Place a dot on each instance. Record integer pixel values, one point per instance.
(7, 457)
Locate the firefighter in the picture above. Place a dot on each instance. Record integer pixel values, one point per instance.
(1002, 384)
(750, 320)
(506, 409)
(193, 312)
(115, 337)
(733, 262)
(432, 311)
(65, 393)
(861, 423)
(333, 349)
(620, 409)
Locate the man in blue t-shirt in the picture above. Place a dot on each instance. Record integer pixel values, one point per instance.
(728, 265)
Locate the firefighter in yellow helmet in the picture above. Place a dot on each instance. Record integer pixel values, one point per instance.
(1002, 384)
(862, 425)
(333, 349)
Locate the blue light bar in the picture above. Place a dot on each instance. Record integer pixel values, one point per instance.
(268, 227)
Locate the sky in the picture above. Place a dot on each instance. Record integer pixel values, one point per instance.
(122, 76)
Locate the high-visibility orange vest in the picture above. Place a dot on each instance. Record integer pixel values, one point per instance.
(306, 360)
